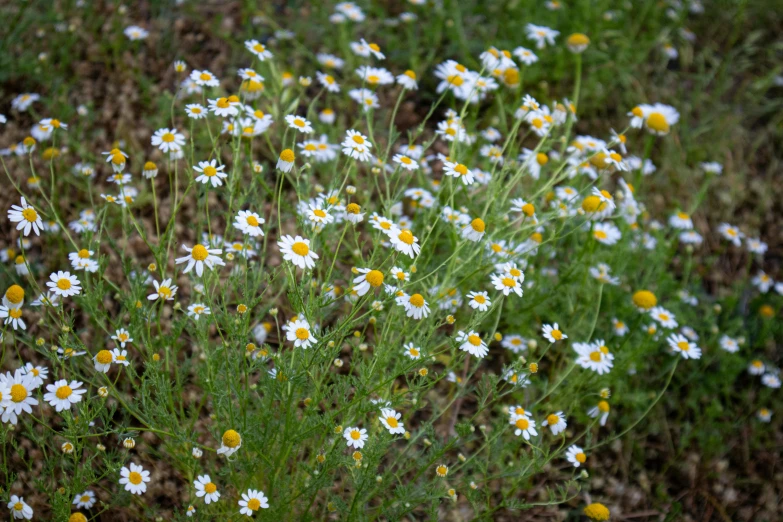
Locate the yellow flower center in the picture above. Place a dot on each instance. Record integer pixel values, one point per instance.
(374, 277)
(231, 439)
(30, 215)
(199, 253)
(210, 171)
(596, 511)
(253, 504)
(406, 237)
(522, 423)
(18, 393)
(595, 356)
(14, 294)
(657, 122)
(64, 284)
(252, 221)
(414, 352)
(552, 419)
(580, 457)
(63, 392)
(644, 299)
(478, 225)
(557, 335)
(603, 406)
(374, 47)
(416, 300)
(168, 137)
(455, 80)
(352, 208)
(210, 488)
(684, 346)
(442, 470)
(18, 506)
(302, 334)
(475, 340)
(320, 213)
(355, 434)
(480, 299)
(300, 249)
(287, 155)
(391, 421)
(104, 357)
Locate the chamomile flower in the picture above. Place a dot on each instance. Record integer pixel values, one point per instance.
(523, 424)
(412, 351)
(12, 316)
(211, 172)
(543, 36)
(204, 78)
(659, 118)
(230, 443)
(356, 146)
(168, 140)
(479, 301)
(576, 456)
(459, 171)
(39, 373)
(206, 488)
(134, 32)
(19, 508)
(200, 256)
(103, 360)
(297, 251)
(298, 332)
(367, 280)
(664, 317)
(84, 500)
(26, 217)
(515, 342)
(679, 343)
(507, 283)
(316, 213)
(298, 123)
(472, 343)
(756, 246)
(391, 421)
(415, 305)
(19, 398)
(163, 290)
(355, 437)
(552, 333)
(764, 415)
(134, 478)
(64, 284)
(606, 233)
(728, 344)
(120, 357)
(249, 223)
(258, 49)
(620, 328)
(196, 310)
(594, 356)
(408, 80)
(63, 394)
(404, 241)
(556, 422)
(122, 337)
(600, 410)
(252, 501)
(405, 162)
(474, 230)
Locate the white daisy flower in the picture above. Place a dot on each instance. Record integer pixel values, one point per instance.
(134, 478)
(63, 394)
